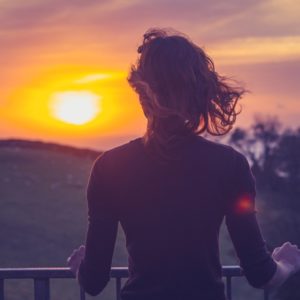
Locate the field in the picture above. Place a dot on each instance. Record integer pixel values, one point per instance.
(43, 218)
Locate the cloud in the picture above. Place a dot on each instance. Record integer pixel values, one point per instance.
(268, 18)
(92, 78)
(282, 13)
(257, 50)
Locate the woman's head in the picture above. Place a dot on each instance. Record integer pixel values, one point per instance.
(179, 90)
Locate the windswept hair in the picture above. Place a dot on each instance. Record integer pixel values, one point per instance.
(180, 92)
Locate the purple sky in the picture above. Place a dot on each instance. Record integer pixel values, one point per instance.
(257, 42)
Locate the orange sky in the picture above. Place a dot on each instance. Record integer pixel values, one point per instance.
(54, 46)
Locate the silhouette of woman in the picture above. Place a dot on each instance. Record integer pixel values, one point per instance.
(171, 188)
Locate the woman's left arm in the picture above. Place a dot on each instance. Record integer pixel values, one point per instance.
(92, 263)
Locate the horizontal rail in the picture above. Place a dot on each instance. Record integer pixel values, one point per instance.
(58, 272)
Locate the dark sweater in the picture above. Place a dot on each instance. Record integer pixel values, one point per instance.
(171, 215)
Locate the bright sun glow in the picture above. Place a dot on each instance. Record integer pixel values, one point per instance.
(75, 107)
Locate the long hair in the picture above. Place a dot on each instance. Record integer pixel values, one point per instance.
(179, 90)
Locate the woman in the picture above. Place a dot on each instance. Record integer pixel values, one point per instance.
(171, 189)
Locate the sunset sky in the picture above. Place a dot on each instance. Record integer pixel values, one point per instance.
(56, 50)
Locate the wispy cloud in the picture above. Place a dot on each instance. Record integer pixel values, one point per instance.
(92, 78)
(257, 50)
(282, 13)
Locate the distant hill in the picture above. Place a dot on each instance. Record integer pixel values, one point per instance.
(39, 145)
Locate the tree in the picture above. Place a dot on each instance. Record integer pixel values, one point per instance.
(287, 156)
(258, 144)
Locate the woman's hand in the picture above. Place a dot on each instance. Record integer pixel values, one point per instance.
(289, 256)
(74, 260)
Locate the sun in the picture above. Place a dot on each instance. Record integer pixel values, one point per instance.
(75, 107)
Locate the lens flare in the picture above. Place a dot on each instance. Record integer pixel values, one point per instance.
(244, 204)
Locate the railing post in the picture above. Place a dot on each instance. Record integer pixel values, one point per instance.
(41, 289)
(1, 289)
(82, 294)
(118, 288)
(228, 287)
(266, 294)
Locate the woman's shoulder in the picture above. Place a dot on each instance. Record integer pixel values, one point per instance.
(218, 149)
(120, 153)
(132, 152)
(125, 149)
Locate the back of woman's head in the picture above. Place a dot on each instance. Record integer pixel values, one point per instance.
(180, 92)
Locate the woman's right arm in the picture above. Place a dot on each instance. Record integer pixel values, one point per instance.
(255, 260)
(261, 269)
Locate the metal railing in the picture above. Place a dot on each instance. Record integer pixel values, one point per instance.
(42, 276)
